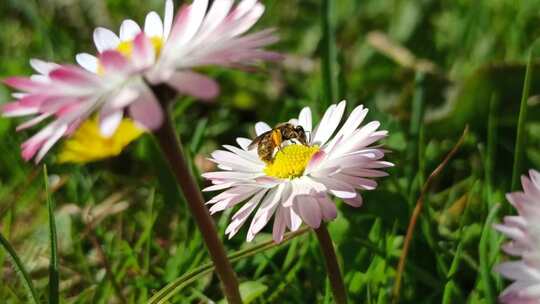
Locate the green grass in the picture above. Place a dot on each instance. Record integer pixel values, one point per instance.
(122, 227)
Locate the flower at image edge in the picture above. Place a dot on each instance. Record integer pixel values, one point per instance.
(298, 184)
(524, 231)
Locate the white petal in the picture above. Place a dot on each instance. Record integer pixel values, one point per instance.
(168, 18)
(304, 119)
(195, 17)
(329, 123)
(243, 142)
(109, 122)
(123, 98)
(128, 30)
(240, 217)
(42, 67)
(88, 62)
(248, 20)
(153, 26)
(105, 39)
(216, 14)
(261, 127)
(280, 223)
(295, 220)
(265, 212)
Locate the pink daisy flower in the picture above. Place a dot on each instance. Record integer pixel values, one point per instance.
(524, 231)
(297, 184)
(118, 78)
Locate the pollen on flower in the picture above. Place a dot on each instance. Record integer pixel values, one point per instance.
(87, 144)
(291, 161)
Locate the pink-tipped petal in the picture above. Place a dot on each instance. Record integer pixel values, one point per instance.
(143, 52)
(309, 210)
(147, 111)
(73, 75)
(113, 61)
(194, 84)
(14, 109)
(23, 84)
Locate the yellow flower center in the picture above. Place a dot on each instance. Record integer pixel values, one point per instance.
(291, 161)
(87, 144)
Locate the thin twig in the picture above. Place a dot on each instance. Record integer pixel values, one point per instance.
(417, 211)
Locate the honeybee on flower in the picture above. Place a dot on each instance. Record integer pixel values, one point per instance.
(296, 185)
(117, 80)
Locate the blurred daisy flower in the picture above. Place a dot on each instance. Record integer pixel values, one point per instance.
(296, 185)
(118, 78)
(524, 230)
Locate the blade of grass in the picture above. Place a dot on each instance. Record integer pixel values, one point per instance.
(519, 149)
(329, 57)
(198, 136)
(417, 211)
(164, 294)
(53, 263)
(417, 116)
(483, 254)
(21, 271)
(493, 123)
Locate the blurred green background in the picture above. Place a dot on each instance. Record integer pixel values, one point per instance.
(424, 68)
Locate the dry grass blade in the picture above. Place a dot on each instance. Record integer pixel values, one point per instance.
(418, 209)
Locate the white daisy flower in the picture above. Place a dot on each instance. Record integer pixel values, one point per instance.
(297, 184)
(524, 231)
(164, 52)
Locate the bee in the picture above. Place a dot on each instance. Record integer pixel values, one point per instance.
(268, 141)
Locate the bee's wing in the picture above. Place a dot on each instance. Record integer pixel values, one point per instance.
(257, 139)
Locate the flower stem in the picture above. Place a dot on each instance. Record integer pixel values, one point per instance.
(172, 149)
(332, 266)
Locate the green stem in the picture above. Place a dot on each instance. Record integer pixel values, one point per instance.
(172, 149)
(332, 266)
